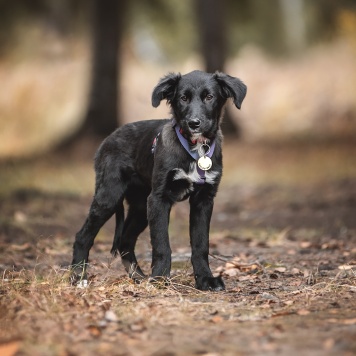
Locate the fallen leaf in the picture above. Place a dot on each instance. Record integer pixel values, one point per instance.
(230, 265)
(283, 313)
(22, 247)
(333, 320)
(328, 344)
(280, 269)
(247, 278)
(351, 321)
(303, 312)
(232, 272)
(306, 273)
(271, 297)
(235, 290)
(305, 244)
(20, 217)
(9, 348)
(252, 267)
(94, 330)
(346, 267)
(216, 319)
(111, 316)
(137, 327)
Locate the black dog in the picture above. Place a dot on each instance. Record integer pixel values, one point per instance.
(154, 164)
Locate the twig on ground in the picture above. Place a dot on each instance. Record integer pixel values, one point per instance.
(237, 264)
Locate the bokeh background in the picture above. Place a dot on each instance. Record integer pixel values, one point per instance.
(283, 232)
(74, 68)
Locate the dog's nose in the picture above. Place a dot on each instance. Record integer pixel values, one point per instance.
(194, 124)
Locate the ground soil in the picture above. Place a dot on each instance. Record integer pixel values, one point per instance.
(283, 237)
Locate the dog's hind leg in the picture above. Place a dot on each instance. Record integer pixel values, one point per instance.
(108, 197)
(119, 218)
(84, 239)
(135, 223)
(126, 237)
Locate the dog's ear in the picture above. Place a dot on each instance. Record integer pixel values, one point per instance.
(165, 89)
(231, 87)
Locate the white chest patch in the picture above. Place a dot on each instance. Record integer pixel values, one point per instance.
(193, 175)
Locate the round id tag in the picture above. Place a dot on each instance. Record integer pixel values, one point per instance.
(204, 163)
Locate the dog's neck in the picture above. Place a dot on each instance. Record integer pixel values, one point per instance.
(195, 140)
(190, 147)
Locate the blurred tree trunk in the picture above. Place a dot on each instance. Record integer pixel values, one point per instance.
(107, 22)
(294, 24)
(211, 18)
(212, 31)
(58, 16)
(326, 17)
(269, 23)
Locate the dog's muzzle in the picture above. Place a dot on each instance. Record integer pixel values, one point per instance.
(194, 124)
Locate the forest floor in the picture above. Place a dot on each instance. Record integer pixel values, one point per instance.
(283, 237)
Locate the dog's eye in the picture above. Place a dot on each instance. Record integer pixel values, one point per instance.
(183, 98)
(209, 97)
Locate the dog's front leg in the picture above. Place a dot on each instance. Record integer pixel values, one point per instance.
(201, 208)
(158, 220)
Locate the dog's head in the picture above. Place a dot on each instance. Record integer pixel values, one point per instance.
(197, 100)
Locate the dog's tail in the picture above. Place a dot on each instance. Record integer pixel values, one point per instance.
(120, 216)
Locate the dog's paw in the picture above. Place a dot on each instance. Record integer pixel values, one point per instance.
(82, 284)
(78, 281)
(214, 284)
(78, 278)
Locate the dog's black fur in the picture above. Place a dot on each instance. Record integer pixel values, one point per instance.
(151, 183)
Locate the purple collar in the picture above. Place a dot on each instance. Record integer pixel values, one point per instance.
(193, 154)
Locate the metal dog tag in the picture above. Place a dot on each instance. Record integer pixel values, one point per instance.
(204, 163)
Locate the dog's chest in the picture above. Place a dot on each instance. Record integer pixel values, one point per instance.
(193, 176)
(184, 182)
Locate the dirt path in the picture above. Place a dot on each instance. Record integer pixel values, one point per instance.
(285, 243)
